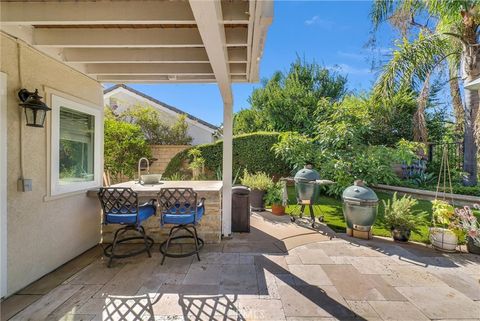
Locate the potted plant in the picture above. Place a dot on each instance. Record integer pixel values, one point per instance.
(258, 183)
(400, 217)
(471, 227)
(274, 198)
(445, 231)
(197, 164)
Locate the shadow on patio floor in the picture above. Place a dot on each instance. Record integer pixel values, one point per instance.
(260, 275)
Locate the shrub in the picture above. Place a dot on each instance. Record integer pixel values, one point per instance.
(155, 129)
(259, 180)
(274, 195)
(296, 149)
(124, 144)
(399, 213)
(340, 157)
(197, 164)
(250, 151)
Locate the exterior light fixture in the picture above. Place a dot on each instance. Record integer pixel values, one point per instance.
(35, 108)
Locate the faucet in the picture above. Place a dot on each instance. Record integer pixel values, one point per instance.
(139, 168)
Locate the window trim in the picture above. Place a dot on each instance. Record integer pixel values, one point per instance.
(55, 187)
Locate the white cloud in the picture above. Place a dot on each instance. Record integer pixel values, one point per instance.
(352, 55)
(312, 20)
(322, 23)
(348, 69)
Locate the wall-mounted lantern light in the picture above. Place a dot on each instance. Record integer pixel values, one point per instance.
(35, 109)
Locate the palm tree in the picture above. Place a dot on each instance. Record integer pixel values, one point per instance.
(453, 42)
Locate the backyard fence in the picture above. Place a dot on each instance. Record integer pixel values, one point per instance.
(454, 150)
(163, 154)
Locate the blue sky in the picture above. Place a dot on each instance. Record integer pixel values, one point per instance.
(332, 33)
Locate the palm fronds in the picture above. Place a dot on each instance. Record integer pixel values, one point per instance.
(412, 62)
(381, 11)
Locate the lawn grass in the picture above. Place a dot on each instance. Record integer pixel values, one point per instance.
(331, 209)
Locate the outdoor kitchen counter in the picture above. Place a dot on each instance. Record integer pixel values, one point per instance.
(209, 228)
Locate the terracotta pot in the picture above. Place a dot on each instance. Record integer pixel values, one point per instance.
(278, 209)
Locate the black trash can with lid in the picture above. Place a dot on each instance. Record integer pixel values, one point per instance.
(240, 209)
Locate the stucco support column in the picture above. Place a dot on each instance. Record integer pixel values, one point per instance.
(227, 167)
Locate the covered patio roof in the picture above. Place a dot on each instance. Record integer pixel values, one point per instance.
(146, 41)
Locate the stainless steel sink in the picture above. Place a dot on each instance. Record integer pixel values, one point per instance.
(150, 179)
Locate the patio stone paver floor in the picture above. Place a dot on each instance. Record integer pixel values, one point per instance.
(280, 271)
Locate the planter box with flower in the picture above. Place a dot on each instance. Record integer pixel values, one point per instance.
(446, 231)
(259, 183)
(400, 217)
(274, 198)
(469, 224)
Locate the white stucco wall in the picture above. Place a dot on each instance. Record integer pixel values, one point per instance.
(43, 232)
(124, 100)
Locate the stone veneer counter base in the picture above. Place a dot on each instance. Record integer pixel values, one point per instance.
(209, 228)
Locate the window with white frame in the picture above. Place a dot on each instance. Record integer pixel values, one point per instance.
(76, 146)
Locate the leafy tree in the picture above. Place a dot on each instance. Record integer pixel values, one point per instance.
(350, 141)
(289, 101)
(372, 120)
(124, 144)
(248, 121)
(155, 130)
(454, 39)
(391, 119)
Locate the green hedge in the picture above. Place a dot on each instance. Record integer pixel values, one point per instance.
(250, 151)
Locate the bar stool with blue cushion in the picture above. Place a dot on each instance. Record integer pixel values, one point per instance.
(120, 206)
(179, 207)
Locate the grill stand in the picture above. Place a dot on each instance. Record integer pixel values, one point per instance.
(299, 210)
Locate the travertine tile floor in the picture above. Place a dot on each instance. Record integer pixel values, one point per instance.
(280, 271)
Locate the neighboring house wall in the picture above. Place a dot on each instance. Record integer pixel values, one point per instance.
(163, 154)
(44, 232)
(121, 99)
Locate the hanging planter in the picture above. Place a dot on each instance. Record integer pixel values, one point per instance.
(445, 230)
(443, 239)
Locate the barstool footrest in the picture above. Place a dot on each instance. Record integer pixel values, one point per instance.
(107, 251)
(200, 244)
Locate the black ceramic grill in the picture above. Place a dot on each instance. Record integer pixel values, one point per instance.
(307, 189)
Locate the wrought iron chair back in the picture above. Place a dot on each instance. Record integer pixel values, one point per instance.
(180, 201)
(118, 200)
